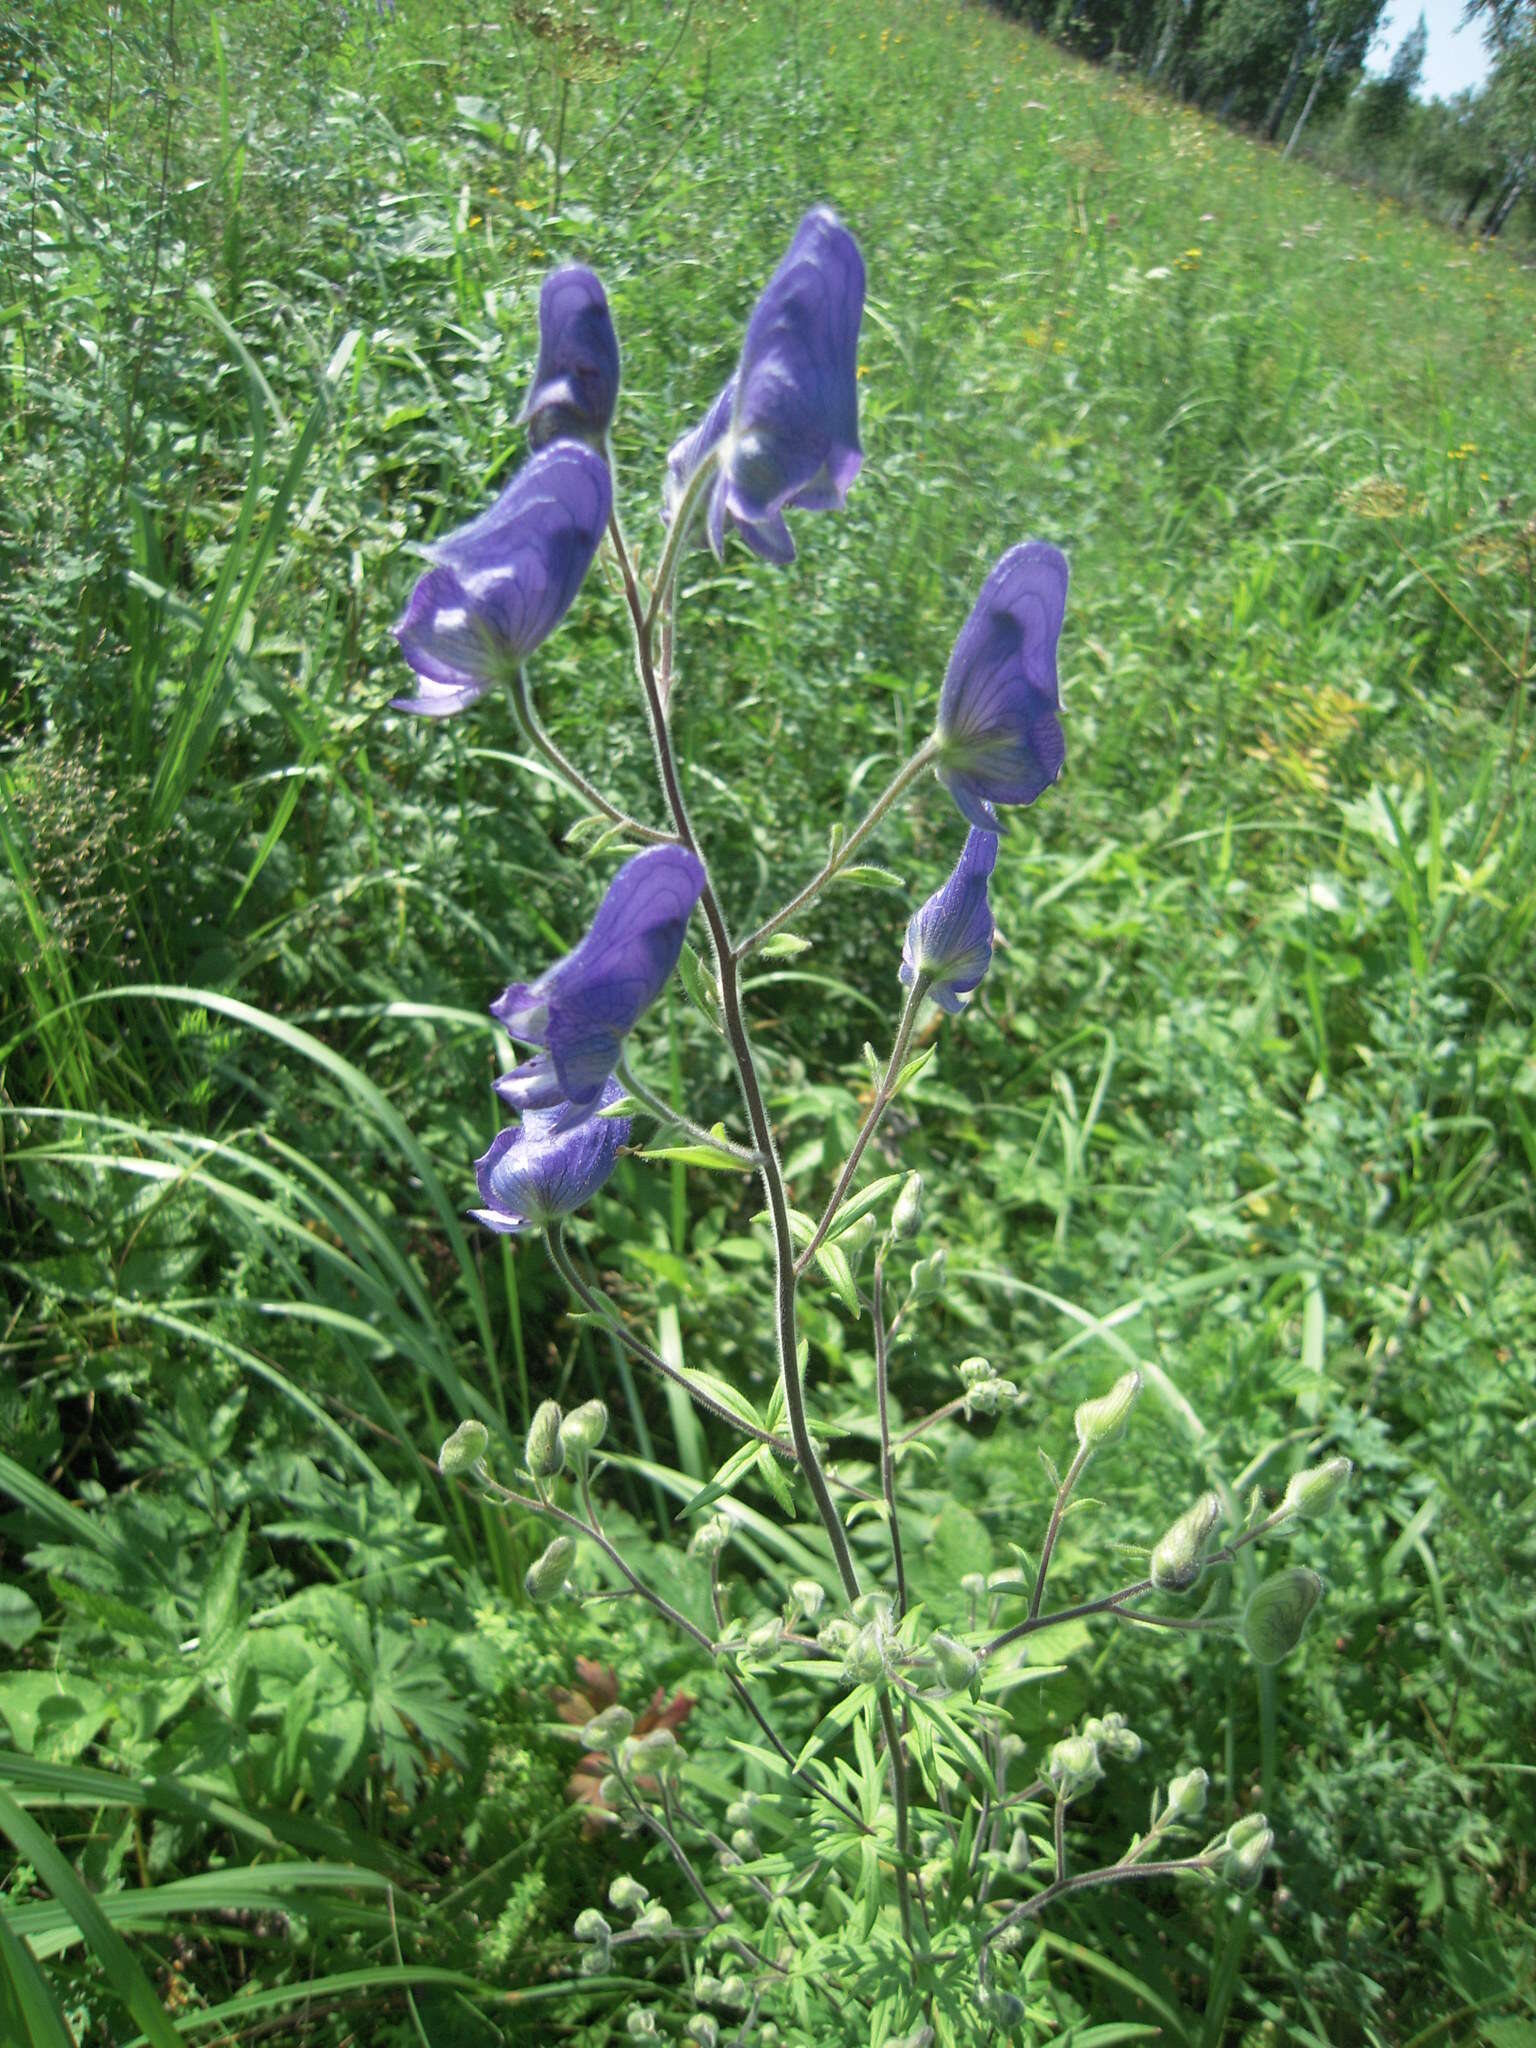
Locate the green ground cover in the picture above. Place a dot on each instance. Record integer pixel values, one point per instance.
(1250, 1095)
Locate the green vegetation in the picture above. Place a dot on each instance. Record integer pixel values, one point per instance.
(1250, 1096)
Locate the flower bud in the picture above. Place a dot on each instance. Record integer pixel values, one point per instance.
(808, 1597)
(1277, 1612)
(1113, 1738)
(641, 2023)
(1248, 1844)
(595, 1962)
(928, 1276)
(606, 1731)
(907, 1216)
(875, 1606)
(582, 1430)
(739, 1813)
(654, 1921)
(744, 1842)
(973, 1370)
(1187, 1794)
(1313, 1493)
(865, 1662)
(541, 1453)
(702, 2031)
(985, 1397)
(957, 1665)
(1005, 2009)
(1011, 1748)
(627, 1894)
(545, 1577)
(1073, 1766)
(733, 1992)
(836, 1633)
(1103, 1421)
(657, 1750)
(974, 1586)
(1021, 1852)
(710, 1538)
(1176, 1556)
(858, 1234)
(464, 1449)
(706, 1987)
(591, 1926)
(764, 1640)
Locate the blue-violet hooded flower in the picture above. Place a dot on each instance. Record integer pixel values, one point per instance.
(537, 1171)
(500, 585)
(576, 380)
(1000, 739)
(580, 1010)
(788, 420)
(950, 938)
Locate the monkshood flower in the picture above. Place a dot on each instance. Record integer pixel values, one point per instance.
(533, 1085)
(999, 736)
(536, 1172)
(787, 423)
(950, 938)
(576, 380)
(500, 585)
(580, 1010)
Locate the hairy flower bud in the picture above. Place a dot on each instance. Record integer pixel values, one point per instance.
(1021, 1852)
(807, 1597)
(627, 1894)
(582, 1430)
(591, 1926)
(702, 2031)
(659, 1749)
(974, 1586)
(1277, 1613)
(1103, 1421)
(1010, 1749)
(541, 1453)
(907, 1216)
(973, 1371)
(765, 1639)
(987, 1396)
(607, 1729)
(1113, 1738)
(865, 1663)
(654, 1921)
(1248, 1844)
(744, 1842)
(545, 1577)
(1314, 1492)
(928, 1276)
(641, 2023)
(733, 1992)
(710, 1538)
(1187, 1794)
(464, 1449)
(1073, 1766)
(957, 1665)
(1176, 1556)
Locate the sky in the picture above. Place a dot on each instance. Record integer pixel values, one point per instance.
(1456, 57)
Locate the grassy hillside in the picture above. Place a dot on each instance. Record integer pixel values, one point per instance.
(1250, 1096)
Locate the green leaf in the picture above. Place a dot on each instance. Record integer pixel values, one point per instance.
(20, 1617)
(913, 1068)
(833, 1261)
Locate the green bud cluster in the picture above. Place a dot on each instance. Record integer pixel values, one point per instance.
(1102, 1422)
(592, 1929)
(1177, 1556)
(1247, 1848)
(1112, 1738)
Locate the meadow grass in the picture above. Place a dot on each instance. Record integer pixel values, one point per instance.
(1250, 1099)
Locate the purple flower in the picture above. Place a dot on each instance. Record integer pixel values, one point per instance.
(580, 1010)
(576, 380)
(999, 737)
(500, 585)
(788, 420)
(537, 1171)
(950, 938)
(532, 1086)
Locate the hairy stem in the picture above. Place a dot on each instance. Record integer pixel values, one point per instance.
(1053, 1529)
(887, 1456)
(900, 782)
(884, 1096)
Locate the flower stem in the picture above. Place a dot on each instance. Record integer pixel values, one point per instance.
(677, 538)
(883, 1098)
(887, 1455)
(662, 1110)
(894, 789)
(528, 721)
